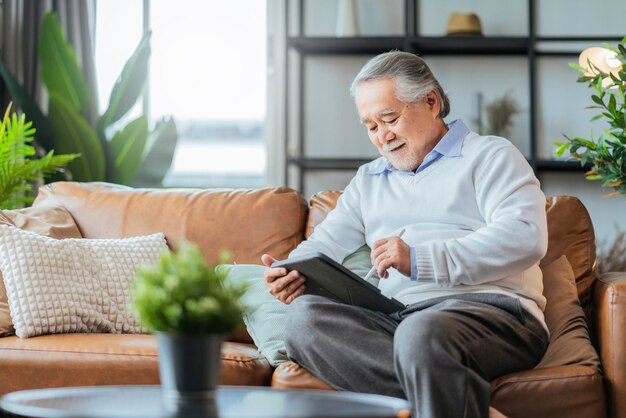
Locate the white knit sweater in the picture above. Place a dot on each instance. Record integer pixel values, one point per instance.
(477, 223)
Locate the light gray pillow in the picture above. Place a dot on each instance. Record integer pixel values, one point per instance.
(266, 318)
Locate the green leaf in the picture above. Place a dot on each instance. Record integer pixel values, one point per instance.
(129, 85)
(59, 66)
(597, 99)
(74, 135)
(18, 168)
(600, 78)
(594, 177)
(577, 67)
(158, 155)
(127, 147)
(612, 105)
(561, 149)
(21, 98)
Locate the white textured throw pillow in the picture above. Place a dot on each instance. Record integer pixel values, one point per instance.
(72, 285)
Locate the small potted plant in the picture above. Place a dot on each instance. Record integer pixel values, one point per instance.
(190, 307)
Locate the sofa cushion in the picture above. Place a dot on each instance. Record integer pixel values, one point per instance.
(570, 233)
(566, 391)
(54, 222)
(319, 206)
(72, 285)
(249, 223)
(266, 319)
(569, 336)
(108, 359)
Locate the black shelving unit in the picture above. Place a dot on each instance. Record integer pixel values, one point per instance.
(527, 46)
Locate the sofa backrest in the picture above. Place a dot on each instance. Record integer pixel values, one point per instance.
(570, 233)
(246, 222)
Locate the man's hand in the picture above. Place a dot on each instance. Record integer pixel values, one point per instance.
(282, 285)
(391, 252)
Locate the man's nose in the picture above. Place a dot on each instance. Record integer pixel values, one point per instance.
(384, 135)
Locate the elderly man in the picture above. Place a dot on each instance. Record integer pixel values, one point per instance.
(466, 266)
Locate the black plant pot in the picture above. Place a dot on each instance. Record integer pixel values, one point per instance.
(189, 368)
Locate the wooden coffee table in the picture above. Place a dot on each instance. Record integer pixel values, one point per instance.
(231, 402)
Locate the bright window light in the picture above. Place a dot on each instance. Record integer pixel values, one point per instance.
(208, 72)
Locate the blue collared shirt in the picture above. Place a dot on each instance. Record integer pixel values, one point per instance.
(449, 146)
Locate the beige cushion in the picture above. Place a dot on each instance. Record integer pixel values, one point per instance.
(569, 337)
(52, 221)
(72, 285)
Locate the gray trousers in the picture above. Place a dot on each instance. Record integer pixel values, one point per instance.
(440, 354)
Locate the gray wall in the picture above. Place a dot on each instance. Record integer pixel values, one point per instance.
(332, 129)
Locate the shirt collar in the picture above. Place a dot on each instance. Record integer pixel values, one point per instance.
(450, 146)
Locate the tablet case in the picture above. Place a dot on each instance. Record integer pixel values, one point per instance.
(326, 277)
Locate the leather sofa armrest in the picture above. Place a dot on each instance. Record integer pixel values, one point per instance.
(609, 316)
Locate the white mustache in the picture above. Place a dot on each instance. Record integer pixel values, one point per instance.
(392, 145)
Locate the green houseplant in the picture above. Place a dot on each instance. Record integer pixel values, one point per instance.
(73, 125)
(607, 153)
(18, 167)
(190, 306)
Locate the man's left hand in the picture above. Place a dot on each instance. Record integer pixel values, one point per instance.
(391, 252)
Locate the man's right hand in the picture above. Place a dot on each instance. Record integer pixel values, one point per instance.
(285, 286)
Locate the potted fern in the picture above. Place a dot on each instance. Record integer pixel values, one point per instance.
(18, 167)
(190, 307)
(607, 153)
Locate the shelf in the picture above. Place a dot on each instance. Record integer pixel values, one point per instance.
(346, 46)
(354, 163)
(557, 165)
(329, 163)
(608, 38)
(470, 45)
(439, 45)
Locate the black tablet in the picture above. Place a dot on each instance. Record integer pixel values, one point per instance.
(326, 277)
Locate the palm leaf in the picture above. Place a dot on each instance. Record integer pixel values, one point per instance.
(158, 155)
(59, 66)
(129, 84)
(127, 148)
(75, 136)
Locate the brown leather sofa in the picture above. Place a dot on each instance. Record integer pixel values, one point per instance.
(253, 222)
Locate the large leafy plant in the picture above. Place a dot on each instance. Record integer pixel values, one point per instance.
(182, 294)
(18, 168)
(73, 125)
(607, 152)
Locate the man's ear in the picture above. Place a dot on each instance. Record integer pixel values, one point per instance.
(433, 102)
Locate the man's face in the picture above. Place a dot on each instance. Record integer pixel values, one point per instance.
(403, 132)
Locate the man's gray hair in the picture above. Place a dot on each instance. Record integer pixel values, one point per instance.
(414, 80)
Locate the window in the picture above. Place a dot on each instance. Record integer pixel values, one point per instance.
(207, 70)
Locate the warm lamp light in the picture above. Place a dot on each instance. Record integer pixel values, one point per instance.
(603, 59)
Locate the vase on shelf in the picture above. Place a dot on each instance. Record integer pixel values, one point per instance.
(347, 19)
